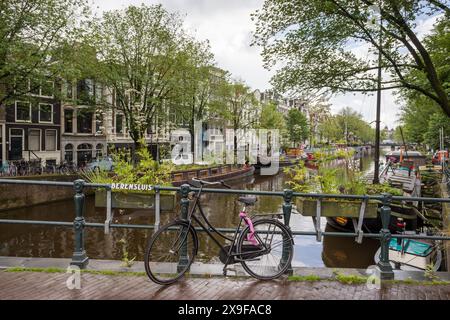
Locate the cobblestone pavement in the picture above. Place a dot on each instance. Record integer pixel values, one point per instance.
(40, 285)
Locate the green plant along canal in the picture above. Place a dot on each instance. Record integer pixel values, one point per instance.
(222, 210)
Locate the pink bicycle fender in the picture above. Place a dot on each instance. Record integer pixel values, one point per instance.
(251, 235)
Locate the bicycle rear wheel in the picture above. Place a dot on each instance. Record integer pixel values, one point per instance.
(170, 252)
(273, 251)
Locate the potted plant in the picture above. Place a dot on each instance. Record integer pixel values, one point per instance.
(132, 184)
(330, 181)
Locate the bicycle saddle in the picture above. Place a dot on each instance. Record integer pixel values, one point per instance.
(248, 200)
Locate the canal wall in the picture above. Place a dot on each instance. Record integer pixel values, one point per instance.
(19, 196)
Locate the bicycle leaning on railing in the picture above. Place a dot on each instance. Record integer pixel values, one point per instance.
(264, 246)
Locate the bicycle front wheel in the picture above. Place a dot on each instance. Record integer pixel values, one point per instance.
(170, 252)
(272, 253)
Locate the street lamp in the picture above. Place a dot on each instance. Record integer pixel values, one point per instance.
(376, 179)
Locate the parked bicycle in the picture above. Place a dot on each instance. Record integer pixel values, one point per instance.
(8, 169)
(67, 168)
(264, 246)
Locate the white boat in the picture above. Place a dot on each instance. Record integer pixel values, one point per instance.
(412, 255)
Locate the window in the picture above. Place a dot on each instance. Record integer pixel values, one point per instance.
(85, 91)
(69, 90)
(119, 123)
(45, 112)
(84, 121)
(99, 151)
(98, 93)
(34, 139)
(50, 140)
(98, 123)
(68, 152)
(47, 88)
(68, 121)
(23, 111)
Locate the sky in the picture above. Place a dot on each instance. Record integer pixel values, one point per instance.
(228, 27)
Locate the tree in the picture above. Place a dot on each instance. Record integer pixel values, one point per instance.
(197, 94)
(437, 122)
(353, 128)
(330, 129)
(240, 108)
(420, 115)
(270, 118)
(141, 51)
(313, 42)
(318, 111)
(32, 34)
(297, 126)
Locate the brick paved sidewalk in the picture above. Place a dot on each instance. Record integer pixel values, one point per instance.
(41, 285)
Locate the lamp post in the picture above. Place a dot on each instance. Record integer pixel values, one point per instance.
(376, 179)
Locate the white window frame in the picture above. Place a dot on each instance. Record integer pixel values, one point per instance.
(40, 138)
(92, 123)
(51, 113)
(68, 84)
(15, 111)
(56, 139)
(74, 119)
(11, 136)
(123, 123)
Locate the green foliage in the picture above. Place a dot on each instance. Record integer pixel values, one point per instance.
(297, 126)
(270, 118)
(33, 35)
(430, 273)
(347, 180)
(146, 171)
(145, 56)
(350, 279)
(422, 116)
(313, 43)
(309, 278)
(299, 177)
(375, 189)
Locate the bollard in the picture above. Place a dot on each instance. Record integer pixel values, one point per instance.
(184, 190)
(79, 257)
(384, 266)
(157, 208)
(108, 210)
(287, 209)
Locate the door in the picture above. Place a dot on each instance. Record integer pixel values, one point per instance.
(16, 148)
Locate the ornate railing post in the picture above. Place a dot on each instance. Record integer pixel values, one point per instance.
(79, 257)
(287, 209)
(384, 266)
(184, 190)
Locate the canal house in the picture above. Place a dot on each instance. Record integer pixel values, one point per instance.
(31, 130)
(83, 136)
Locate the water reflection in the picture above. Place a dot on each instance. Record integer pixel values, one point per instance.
(222, 210)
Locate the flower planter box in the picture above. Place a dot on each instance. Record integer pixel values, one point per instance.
(133, 200)
(336, 208)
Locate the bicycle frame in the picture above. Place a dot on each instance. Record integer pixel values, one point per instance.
(230, 253)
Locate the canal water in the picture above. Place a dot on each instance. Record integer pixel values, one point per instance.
(221, 210)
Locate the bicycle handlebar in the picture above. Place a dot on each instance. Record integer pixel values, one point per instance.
(203, 182)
